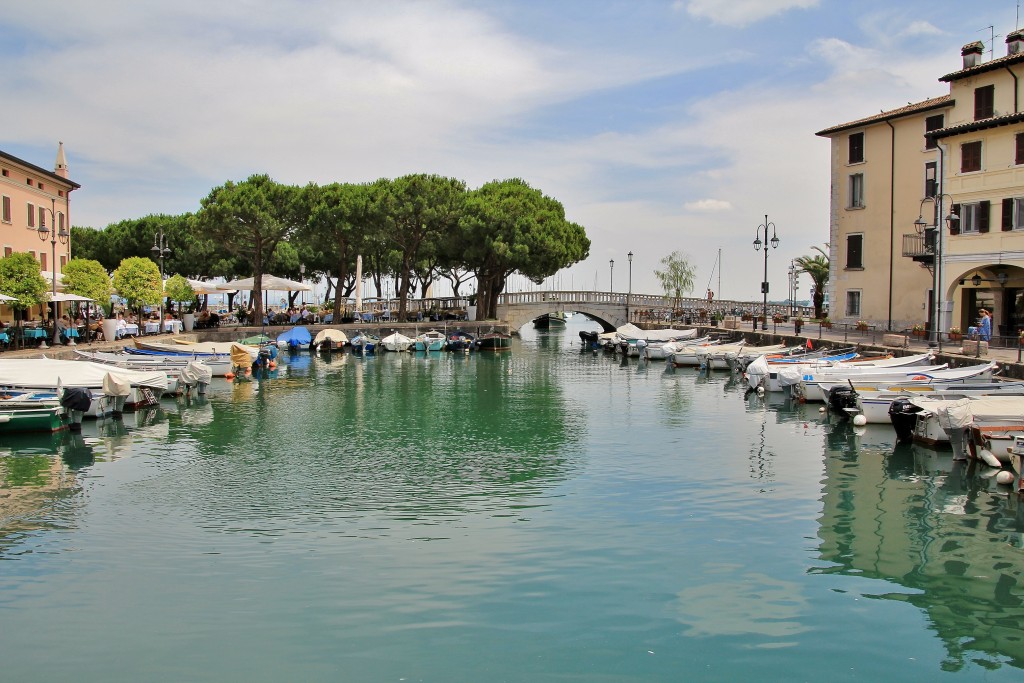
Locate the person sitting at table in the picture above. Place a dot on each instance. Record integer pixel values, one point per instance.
(62, 328)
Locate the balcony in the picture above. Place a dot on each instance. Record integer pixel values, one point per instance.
(921, 248)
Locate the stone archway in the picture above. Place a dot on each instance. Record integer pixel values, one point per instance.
(999, 288)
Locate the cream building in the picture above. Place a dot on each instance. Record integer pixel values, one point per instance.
(956, 162)
(30, 198)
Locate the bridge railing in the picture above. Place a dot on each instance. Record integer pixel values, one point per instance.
(650, 306)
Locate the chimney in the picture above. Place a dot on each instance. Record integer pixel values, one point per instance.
(61, 167)
(1015, 43)
(971, 52)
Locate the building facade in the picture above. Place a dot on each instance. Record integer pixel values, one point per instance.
(927, 205)
(30, 198)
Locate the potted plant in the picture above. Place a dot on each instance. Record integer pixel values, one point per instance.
(918, 330)
(180, 291)
(798, 322)
(826, 322)
(778, 318)
(862, 325)
(955, 334)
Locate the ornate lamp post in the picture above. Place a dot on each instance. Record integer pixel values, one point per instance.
(934, 338)
(757, 247)
(302, 279)
(160, 251)
(629, 293)
(611, 275)
(63, 235)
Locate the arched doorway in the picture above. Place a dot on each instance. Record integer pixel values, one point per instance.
(999, 289)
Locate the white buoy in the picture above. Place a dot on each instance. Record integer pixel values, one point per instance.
(859, 420)
(990, 459)
(1004, 477)
(821, 410)
(760, 391)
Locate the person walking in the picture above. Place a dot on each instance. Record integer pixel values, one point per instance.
(985, 325)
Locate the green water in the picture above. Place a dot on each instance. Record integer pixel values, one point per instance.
(544, 515)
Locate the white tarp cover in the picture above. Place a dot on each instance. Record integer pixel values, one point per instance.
(196, 373)
(42, 373)
(336, 336)
(113, 386)
(631, 331)
(198, 348)
(757, 371)
(964, 412)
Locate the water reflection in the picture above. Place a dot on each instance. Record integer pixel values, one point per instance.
(915, 519)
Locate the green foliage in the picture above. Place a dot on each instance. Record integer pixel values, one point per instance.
(178, 289)
(817, 268)
(137, 280)
(677, 278)
(87, 277)
(21, 278)
(508, 226)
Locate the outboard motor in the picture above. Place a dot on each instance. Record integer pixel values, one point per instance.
(903, 415)
(843, 401)
(77, 401)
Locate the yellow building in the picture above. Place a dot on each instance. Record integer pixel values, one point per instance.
(32, 198)
(956, 162)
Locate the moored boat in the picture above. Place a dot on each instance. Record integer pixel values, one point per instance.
(430, 341)
(494, 341)
(460, 341)
(396, 341)
(330, 340)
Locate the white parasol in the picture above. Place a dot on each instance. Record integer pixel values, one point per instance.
(63, 297)
(359, 283)
(4, 297)
(270, 283)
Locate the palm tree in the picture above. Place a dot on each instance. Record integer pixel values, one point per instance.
(817, 267)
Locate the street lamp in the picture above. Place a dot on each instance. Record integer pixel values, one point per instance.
(611, 275)
(934, 338)
(302, 279)
(63, 235)
(629, 293)
(161, 251)
(757, 247)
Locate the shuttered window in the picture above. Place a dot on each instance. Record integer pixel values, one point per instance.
(6, 210)
(933, 123)
(855, 251)
(1019, 156)
(856, 148)
(970, 157)
(930, 179)
(984, 102)
(31, 216)
(857, 191)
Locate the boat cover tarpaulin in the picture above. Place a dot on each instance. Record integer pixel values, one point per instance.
(41, 373)
(297, 336)
(116, 386)
(964, 412)
(196, 373)
(631, 331)
(337, 337)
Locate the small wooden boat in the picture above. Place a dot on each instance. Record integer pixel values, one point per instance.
(330, 340)
(396, 341)
(494, 341)
(460, 341)
(364, 343)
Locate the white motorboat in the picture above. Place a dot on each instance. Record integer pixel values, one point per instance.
(817, 383)
(725, 358)
(687, 355)
(217, 366)
(430, 341)
(132, 389)
(664, 350)
(396, 341)
(330, 339)
(969, 425)
(782, 376)
(874, 402)
(196, 349)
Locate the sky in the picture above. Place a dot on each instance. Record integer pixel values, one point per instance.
(661, 125)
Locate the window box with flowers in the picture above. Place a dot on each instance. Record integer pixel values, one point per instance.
(918, 330)
(862, 325)
(955, 334)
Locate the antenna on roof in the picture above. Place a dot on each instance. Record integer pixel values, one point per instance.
(992, 37)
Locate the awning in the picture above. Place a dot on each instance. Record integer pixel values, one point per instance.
(269, 283)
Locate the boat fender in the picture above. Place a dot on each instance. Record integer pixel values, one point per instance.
(229, 375)
(1005, 478)
(990, 459)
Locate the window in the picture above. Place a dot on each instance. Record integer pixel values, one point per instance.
(930, 178)
(5, 173)
(855, 250)
(63, 262)
(5, 210)
(853, 303)
(28, 181)
(40, 186)
(8, 251)
(1019, 156)
(42, 217)
(857, 191)
(42, 260)
(31, 216)
(973, 217)
(60, 221)
(1013, 214)
(970, 157)
(856, 148)
(933, 123)
(984, 99)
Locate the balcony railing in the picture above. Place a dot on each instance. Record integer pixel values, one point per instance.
(921, 248)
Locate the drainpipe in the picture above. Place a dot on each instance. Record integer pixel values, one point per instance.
(892, 210)
(940, 250)
(1015, 107)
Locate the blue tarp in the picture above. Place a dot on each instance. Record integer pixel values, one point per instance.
(297, 336)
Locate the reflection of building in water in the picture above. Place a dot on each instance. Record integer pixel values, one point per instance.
(915, 518)
(30, 484)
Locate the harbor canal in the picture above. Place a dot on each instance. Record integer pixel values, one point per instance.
(542, 515)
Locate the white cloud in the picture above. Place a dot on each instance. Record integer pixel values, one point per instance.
(708, 205)
(741, 13)
(922, 28)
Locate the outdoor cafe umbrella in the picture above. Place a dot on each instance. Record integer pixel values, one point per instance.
(64, 297)
(270, 282)
(4, 297)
